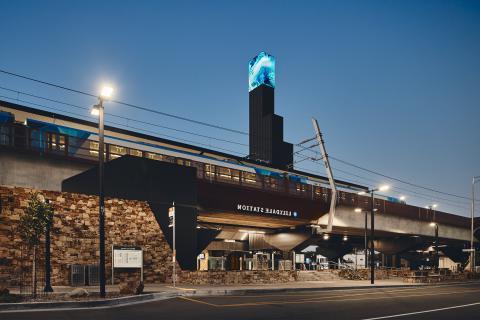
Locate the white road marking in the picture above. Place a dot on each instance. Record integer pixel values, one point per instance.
(424, 311)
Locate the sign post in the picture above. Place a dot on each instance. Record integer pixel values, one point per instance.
(171, 224)
(127, 257)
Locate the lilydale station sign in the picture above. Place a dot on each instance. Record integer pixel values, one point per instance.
(245, 208)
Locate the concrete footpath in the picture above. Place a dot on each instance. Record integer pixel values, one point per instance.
(156, 292)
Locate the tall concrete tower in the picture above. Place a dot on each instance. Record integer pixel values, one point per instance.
(266, 128)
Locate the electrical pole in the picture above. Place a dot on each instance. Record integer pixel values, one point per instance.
(366, 241)
(326, 162)
(101, 222)
(372, 235)
(472, 248)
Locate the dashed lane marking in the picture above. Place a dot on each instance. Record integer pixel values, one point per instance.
(425, 311)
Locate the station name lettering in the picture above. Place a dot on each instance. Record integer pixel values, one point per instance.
(265, 210)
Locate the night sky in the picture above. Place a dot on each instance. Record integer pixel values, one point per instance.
(395, 85)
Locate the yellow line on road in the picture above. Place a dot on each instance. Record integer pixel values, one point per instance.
(340, 294)
(425, 287)
(184, 289)
(325, 299)
(198, 301)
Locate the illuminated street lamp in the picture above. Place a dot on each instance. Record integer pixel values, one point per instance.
(435, 225)
(472, 248)
(382, 188)
(98, 110)
(359, 210)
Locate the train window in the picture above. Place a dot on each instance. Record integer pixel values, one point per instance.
(301, 187)
(94, 145)
(4, 135)
(272, 182)
(153, 156)
(62, 142)
(235, 175)
(224, 173)
(136, 153)
(51, 141)
(250, 177)
(117, 151)
(209, 170)
(184, 162)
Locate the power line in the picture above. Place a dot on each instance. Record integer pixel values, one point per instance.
(122, 117)
(125, 103)
(386, 176)
(122, 125)
(412, 193)
(213, 126)
(400, 180)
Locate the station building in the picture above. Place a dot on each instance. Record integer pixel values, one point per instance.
(233, 213)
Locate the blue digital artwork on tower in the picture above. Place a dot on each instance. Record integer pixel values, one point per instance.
(261, 70)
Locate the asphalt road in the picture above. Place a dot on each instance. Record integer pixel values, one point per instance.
(432, 302)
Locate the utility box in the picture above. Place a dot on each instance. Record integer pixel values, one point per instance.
(92, 275)
(77, 275)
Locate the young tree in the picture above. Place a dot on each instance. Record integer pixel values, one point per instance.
(32, 226)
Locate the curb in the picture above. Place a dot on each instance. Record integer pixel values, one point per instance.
(156, 296)
(228, 292)
(86, 304)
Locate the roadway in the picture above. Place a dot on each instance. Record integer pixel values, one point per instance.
(461, 301)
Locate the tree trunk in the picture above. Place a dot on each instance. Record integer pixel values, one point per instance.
(34, 272)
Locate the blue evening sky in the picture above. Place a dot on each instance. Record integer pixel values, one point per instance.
(395, 85)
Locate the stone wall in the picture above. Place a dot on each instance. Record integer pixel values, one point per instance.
(74, 238)
(236, 277)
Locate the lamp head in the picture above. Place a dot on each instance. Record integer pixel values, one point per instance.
(384, 187)
(106, 92)
(95, 111)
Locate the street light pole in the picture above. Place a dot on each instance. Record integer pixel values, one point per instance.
(372, 235)
(101, 194)
(472, 250)
(99, 110)
(360, 210)
(48, 265)
(436, 248)
(372, 228)
(365, 239)
(435, 225)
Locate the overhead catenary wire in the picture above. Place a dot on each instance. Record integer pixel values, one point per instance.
(388, 177)
(415, 194)
(396, 187)
(410, 193)
(122, 117)
(400, 180)
(124, 103)
(214, 126)
(123, 125)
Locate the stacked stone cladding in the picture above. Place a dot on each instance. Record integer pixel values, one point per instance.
(74, 237)
(222, 277)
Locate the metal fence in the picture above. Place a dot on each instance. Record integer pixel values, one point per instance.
(28, 283)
